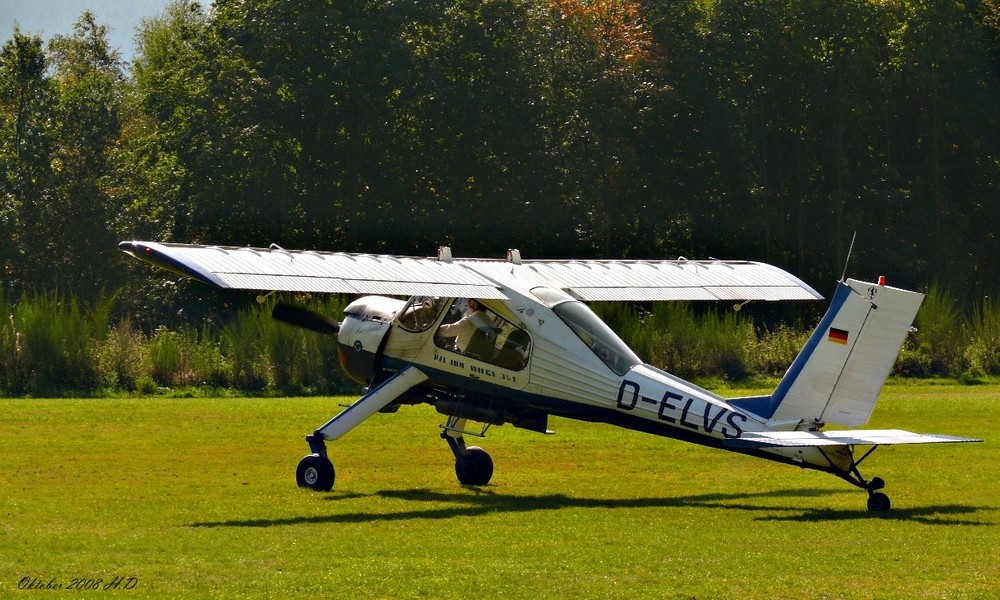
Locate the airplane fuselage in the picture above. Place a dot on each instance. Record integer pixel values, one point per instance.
(561, 375)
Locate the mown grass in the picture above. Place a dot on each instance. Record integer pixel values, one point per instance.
(196, 498)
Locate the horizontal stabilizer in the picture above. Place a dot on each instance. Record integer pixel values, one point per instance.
(803, 439)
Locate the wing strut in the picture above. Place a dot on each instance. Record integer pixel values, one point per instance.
(369, 404)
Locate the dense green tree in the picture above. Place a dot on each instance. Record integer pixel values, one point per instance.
(88, 124)
(27, 101)
(757, 129)
(155, 189)
(945, 138)
(615, 89)
(62, 120)
(809, 127)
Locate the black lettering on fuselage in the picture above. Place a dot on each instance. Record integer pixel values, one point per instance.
(684, 415)
(665, 405)
(621, 395)
(481, 371)
(731, 419)
(710, 424)
(671, 403)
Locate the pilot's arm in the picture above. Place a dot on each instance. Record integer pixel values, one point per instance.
(461, 330)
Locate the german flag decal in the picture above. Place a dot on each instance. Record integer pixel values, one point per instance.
(838, 336)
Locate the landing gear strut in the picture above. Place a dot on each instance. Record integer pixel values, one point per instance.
(315, 471)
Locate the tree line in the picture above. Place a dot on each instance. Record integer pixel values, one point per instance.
(763, 129)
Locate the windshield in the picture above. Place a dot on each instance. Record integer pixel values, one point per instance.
(420, 312)
(589, 328)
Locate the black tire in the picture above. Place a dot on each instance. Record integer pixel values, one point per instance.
(316, 473)
(878, 502)
(476, 469)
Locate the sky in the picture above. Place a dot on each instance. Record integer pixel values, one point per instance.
(51, 17)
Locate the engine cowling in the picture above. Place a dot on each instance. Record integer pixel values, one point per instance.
(360, 341)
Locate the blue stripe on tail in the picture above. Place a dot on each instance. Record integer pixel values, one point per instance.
(765, 406)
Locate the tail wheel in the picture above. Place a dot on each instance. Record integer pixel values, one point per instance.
(475, 468)
(316, 473)
(878, 502)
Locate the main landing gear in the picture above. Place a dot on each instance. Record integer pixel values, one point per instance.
(473, 465)
(315, 471)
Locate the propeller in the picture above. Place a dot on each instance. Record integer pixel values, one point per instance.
(307, 319)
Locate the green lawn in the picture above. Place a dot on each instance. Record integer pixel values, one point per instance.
(196, 498)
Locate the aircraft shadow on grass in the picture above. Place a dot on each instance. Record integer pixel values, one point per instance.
(486, 502)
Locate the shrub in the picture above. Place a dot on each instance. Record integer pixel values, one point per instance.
(186, 358)
(123, 358)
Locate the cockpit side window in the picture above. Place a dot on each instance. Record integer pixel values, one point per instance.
(420, 313)
(601, 340)
(479, 333)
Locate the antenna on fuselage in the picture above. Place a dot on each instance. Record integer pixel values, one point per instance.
(847, 261)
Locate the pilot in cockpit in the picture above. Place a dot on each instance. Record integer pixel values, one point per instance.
(463, 330)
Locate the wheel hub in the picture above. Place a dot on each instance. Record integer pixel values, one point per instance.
(311, 476)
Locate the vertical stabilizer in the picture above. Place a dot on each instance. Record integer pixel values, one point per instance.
(838, 375)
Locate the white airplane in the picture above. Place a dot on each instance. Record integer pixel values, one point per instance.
(511, 341)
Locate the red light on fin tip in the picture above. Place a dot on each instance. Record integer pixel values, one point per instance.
(150, 251)
(881, 279)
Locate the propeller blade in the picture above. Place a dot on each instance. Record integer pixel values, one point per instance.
(307, 319)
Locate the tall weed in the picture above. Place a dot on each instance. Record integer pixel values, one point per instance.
(52, 340)
(983, 351)
(938, 346)
(775, 349)
(718, 343)
(302, 361)
(52, 344)
(186, 358)
(242, 342)
(9, 346)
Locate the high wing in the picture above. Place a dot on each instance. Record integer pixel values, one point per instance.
(662, 280)
(278, 269)
(802, 439)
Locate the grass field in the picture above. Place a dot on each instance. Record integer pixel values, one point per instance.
(196, 498)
